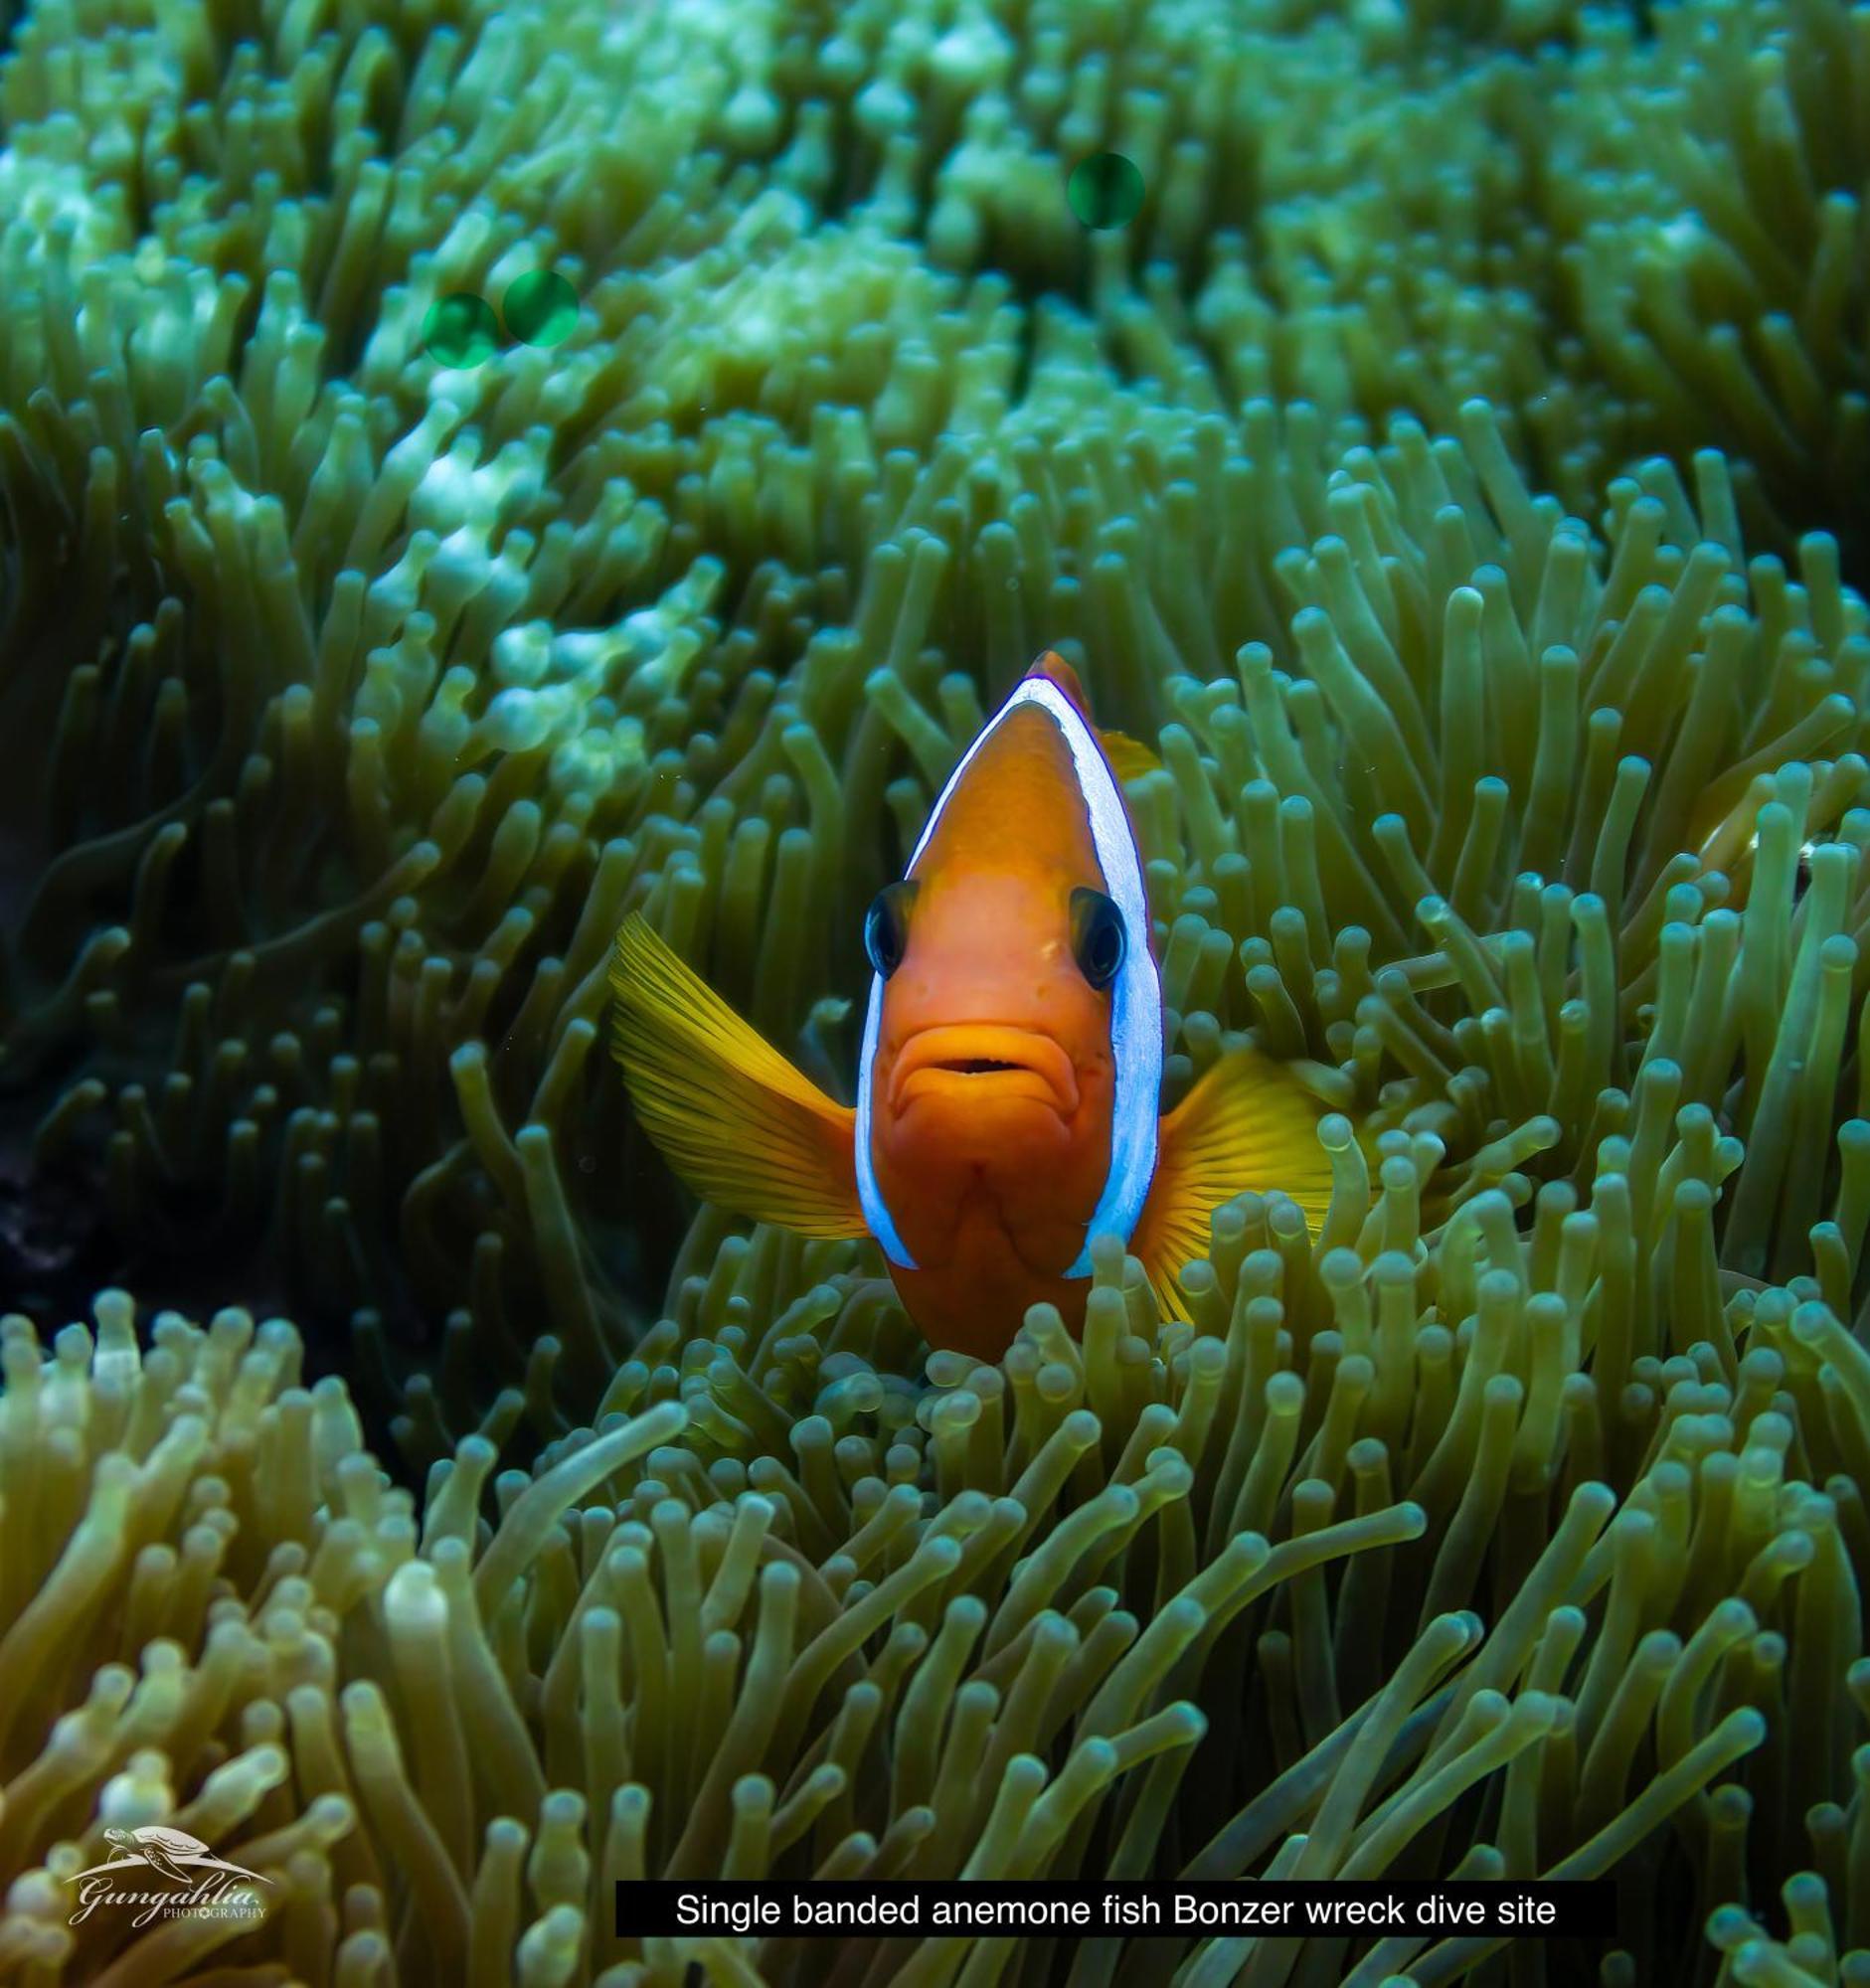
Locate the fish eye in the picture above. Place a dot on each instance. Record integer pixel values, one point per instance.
(1098, 935)
(886, 927)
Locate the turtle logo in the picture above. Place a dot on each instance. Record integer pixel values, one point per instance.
(212, 1887)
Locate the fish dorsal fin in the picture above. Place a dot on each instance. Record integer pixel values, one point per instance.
(1056, 670)
(1130, 757)
(739, 1123)
(1247, 1123)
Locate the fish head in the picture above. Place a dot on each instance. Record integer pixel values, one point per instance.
(1012, 1057)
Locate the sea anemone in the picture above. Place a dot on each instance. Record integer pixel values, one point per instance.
(1511, 1523)
(1418, 1599)
(1708, 192)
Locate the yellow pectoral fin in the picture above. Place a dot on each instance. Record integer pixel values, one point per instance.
(735, 1119)
(1247, 1123)
(1130, 757)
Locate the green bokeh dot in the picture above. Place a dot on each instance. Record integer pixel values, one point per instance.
(539, 308)
(1105, 190)
(460, 329)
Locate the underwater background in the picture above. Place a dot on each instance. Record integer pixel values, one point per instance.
(1454, 465)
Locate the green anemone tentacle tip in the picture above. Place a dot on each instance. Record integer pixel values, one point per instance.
(459, 330)
(470, 473)
(540, 307)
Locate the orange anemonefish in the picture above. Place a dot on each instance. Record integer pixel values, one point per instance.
(1009, 1089)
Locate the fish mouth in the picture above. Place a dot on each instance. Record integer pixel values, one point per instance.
(977, 1062)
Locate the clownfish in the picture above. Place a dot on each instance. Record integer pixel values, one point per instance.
(1010, 1085)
